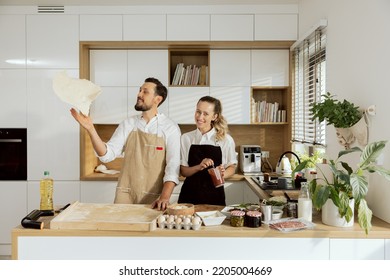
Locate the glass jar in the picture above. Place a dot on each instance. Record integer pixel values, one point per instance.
(237, 218)
(253, 219)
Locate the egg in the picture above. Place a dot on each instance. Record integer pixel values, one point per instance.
(187, 221)
(161, 219)
(196, 221)
(178, 220)
(170, 219)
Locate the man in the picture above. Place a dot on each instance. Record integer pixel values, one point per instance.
(151, 145)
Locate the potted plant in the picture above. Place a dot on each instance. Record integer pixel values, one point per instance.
(346, 183)
(344, 116)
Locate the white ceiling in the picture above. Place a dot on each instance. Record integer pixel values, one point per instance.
(139, 2)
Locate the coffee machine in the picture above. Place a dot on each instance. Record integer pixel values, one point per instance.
(250, 159)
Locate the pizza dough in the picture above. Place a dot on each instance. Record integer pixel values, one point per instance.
(80, 93)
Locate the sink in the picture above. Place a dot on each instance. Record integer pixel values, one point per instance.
(275, 183)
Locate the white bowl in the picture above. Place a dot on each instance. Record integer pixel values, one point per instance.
(277, 214)
(226, 211)
(211, 218)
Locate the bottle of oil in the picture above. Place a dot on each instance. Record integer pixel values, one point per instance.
(46, 191)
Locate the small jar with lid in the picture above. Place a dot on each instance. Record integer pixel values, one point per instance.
(237, 218)
(253, 219)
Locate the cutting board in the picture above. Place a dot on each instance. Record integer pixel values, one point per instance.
(92, 216)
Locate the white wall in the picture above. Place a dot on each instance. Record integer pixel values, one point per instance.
(358, 56)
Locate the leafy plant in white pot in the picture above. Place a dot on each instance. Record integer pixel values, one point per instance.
(346, 184)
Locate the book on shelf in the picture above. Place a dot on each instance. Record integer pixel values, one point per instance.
(190, 75)
(268, 112)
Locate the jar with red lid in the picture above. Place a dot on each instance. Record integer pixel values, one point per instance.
(237, 218)
(253, 219)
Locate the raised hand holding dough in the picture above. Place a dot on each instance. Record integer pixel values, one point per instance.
(78, 92)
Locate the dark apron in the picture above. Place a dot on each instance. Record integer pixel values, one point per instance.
(199, 188)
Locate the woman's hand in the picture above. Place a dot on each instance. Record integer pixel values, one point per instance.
(222, 170)
(206, 162)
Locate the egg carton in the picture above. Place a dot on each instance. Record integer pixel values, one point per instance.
(185, 222)
(163, 225)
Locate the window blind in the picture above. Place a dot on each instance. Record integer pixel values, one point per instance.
(309, 84)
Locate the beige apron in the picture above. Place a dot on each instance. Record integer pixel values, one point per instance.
(141, 178)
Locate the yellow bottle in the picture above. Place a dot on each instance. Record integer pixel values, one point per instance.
(46, 190)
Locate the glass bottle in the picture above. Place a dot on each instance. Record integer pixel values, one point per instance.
(305, 203)
(46, 191)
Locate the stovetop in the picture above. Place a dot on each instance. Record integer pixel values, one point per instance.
(275, 183)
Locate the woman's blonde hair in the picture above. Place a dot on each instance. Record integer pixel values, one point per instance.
(219, 123)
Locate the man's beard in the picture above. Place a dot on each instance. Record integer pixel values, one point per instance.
(142, 107)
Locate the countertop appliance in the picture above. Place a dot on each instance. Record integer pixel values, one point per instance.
(13, 154)
(250, 159)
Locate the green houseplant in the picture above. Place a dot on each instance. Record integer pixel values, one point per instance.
(347, 183)
(340, 114)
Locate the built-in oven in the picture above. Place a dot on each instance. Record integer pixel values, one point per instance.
(13, 154)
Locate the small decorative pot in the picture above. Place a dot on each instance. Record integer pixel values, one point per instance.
(331, 216)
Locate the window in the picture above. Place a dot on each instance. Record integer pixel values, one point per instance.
(309, 84)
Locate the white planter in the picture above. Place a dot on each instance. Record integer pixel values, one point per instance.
(331, 216)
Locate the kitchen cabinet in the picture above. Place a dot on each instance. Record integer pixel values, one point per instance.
(101, 27)
(232, 27)
(97, 192)
(276, 27)
(235, 103)
(387, 249)
(13, 197)
(52, 133)
(270, 67)
(230, 68)
(109, 67)
(12, 41)
(145, 27)
(142, 64)
(357, 249)
(182, 103)
(64, 192)
(49, 48)
(14, 98)
(111, 106)
(188, 27)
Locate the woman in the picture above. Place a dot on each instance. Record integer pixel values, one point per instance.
(207, 146)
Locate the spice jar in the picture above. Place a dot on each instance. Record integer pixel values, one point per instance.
(253, 219)
(237, 218)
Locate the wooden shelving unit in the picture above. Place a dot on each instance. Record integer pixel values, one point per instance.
(189, 57)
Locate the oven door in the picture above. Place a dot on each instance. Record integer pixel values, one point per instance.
(13, 154)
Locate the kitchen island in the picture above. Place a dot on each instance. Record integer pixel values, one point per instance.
(221, 242)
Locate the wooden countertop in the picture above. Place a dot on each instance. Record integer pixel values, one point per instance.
(380, 230)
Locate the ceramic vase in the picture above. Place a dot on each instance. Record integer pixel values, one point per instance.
(331, 216)
(360, 131)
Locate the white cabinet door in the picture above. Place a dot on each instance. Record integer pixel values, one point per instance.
(234, 192)
(188, 27)
(357, 249)
(13, 112)
(64, 192)
(230, 68)
(13, 207)
(52, 133)
(387, 249)
(270, 67)
(182, 103)
(235, 103)
(142, 64)
(111, 106)
(12, 41)
(97, 192)
(52, 41)
(250, 196)
(232, 27)
(144, 28)
(101, 28)
(108, 67)
(276, 27)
